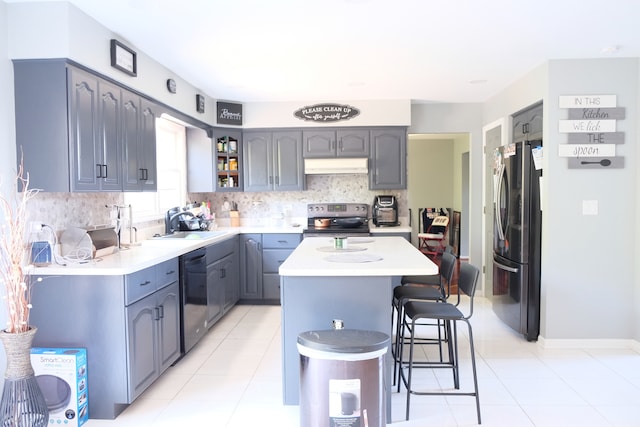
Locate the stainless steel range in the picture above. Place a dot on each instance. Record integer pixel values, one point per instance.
(337, 219)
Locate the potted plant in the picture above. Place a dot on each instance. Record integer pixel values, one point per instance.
(22, 402)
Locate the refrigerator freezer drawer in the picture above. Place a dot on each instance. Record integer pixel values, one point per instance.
(510, 282)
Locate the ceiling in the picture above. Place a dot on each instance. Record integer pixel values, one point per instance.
(331, 50)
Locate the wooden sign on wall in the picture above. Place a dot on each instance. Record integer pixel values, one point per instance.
(326, 112)
(592, 131)
(229, 113)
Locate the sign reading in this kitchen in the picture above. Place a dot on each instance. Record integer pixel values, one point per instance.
(229, 113)
(326, 112)
(591, 126)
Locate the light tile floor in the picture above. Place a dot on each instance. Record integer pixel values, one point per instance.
(233, 378)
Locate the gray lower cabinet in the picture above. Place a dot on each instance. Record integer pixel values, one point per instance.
(222, 278)
(130, 326)
(153, 323)
(272, 161)
(100, 136)
(260, 259)
(388, 159)
(250, 267)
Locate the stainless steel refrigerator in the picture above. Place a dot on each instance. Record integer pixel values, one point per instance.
(516, 239)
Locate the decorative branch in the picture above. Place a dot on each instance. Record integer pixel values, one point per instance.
(14, 264)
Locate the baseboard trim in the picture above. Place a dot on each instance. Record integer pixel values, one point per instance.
(589, 343)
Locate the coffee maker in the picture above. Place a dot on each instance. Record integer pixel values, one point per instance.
(385, 211)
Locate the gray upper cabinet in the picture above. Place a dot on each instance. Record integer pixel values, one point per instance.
(335, 143)
(258, 175)
(272, 161)
(388, 159)
(527, 124)
(99, 136)
(287, 161)
(95, 124)
(139, 143)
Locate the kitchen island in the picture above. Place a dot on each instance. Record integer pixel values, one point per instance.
(319, 284)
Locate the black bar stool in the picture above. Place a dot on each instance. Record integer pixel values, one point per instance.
(450, 314)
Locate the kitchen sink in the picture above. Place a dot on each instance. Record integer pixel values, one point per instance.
(192, 235)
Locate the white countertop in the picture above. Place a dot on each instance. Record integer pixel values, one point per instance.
(402, 227)
(148, 253)
(379, 256)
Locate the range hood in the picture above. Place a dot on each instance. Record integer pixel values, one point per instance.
(335, 166)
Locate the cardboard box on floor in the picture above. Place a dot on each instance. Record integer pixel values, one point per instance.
(62, 376)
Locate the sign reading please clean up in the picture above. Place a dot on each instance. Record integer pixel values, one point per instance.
(326, 112)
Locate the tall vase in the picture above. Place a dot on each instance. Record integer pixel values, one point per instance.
(22, 403)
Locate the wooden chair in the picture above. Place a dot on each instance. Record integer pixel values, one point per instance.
(434, 240)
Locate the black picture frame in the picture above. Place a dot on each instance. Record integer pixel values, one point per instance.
(200, 103)
(124, 58)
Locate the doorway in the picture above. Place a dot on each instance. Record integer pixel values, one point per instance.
(438, 176)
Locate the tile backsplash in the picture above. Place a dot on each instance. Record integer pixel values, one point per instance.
(63, 210)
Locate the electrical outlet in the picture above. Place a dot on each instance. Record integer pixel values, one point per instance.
(35, 226)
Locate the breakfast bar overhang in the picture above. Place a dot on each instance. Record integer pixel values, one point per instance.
(319, 284)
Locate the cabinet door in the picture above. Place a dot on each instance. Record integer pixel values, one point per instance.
(147, 165)
(272, 287)
(258, 174)
(388, 159)
(535, 123)
(250, 266)
(231, 286)
(168, 303)
(287, 161)
(142, 318)
(86, 156)
(131, 123)
(109, 128)
(319, 143)
(352, 143)
(527, 124)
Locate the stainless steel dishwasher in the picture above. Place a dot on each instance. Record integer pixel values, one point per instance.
(193, 295)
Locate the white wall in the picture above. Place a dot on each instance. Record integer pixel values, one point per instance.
(372, 113)
(7, 141)
(588, 273)
(589, 262)
(60, 30)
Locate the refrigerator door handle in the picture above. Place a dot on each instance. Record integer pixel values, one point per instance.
(497, 204)
(505, 267)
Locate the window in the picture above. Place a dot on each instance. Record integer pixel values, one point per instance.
(171, 174)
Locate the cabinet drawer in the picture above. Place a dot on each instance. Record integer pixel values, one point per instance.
(276, 241)
(139, 284)
(166, 273)
(271, 287)
(272, 258)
